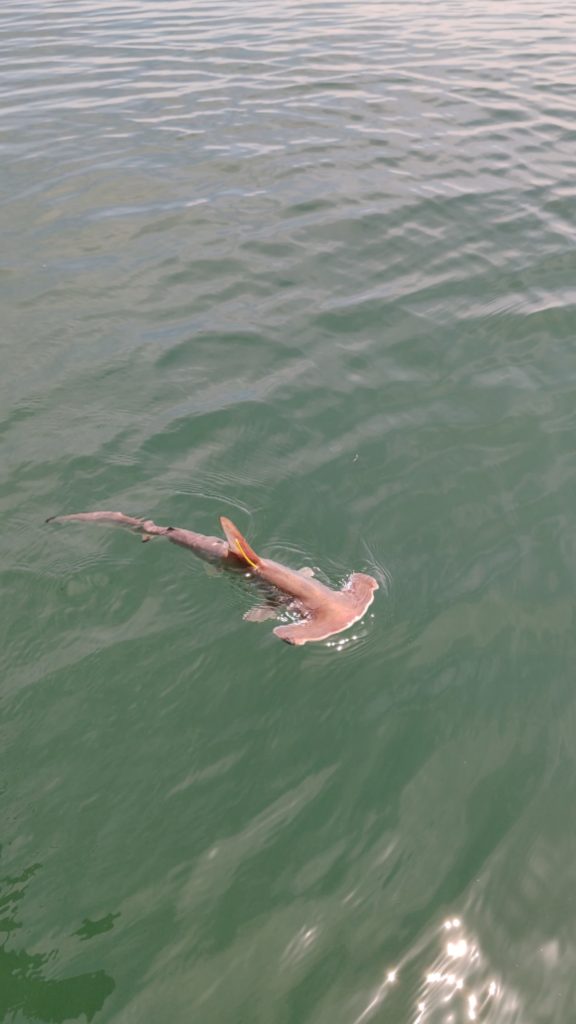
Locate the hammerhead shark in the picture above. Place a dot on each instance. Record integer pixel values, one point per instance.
(321, 610)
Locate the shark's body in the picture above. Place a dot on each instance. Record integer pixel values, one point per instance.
(323, 611)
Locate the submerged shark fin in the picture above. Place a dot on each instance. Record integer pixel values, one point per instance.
(238, 544)
(260, 613)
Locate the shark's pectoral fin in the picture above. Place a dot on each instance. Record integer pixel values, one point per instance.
(260, 613)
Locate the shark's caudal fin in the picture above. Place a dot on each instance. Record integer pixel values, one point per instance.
(144, 526)
(238, 544)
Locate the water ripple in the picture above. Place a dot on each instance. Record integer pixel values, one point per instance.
(310, 264)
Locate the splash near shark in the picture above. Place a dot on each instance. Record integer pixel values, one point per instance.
(321, 611)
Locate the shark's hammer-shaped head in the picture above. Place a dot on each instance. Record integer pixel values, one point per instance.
(341, 609)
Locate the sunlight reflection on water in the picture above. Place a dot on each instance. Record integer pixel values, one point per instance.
(457, 984)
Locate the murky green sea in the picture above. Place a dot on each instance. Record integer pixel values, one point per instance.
(310, 265)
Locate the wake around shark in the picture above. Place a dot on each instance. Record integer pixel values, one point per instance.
(322, 611)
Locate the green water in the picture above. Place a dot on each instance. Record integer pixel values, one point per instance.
(309, 265)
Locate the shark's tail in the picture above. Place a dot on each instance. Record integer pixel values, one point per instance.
(238, 544)
(146, 527)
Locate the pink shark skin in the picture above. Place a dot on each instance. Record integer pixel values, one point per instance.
(324, 611)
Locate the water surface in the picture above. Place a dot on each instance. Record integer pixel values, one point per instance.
(310, 265)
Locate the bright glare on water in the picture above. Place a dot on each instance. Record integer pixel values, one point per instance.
(310, 265)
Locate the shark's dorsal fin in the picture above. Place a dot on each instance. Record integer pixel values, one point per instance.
(238, 544)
